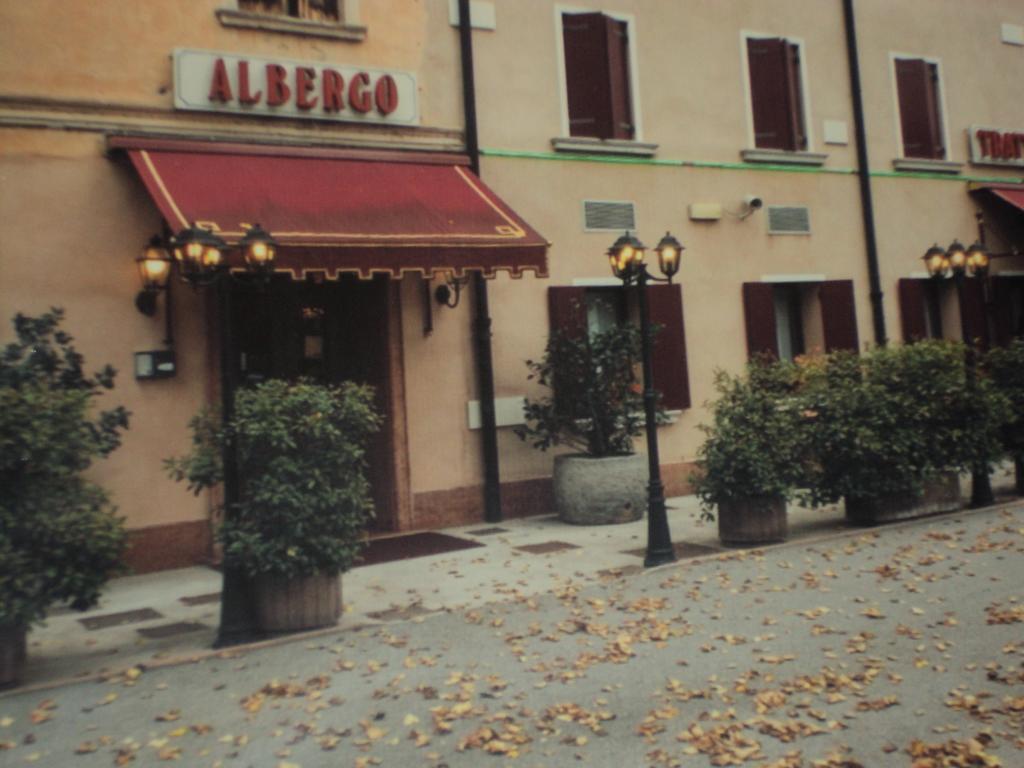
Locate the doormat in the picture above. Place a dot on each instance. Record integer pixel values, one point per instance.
(413, 545)
(546, 547)
(105, 621)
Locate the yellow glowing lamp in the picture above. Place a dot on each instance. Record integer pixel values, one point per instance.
(259, 249)
(626, 256)
(957, 257)
(935, 261)
(669, 252)
(154, 265)
(978, 259)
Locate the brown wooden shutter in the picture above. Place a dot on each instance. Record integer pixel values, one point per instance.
(794, 88)
(587, 80)
(838, 315)
(759, 314)
(671, 376)
(917, 91)
(1002, 308)
(913, 309)
(567, 310)
(618, 78)
(770, 64)
(972, 313)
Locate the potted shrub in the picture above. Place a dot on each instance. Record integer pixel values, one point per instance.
(594, 407)
(60, 539)
(1005, 366)
(304, 499)
(895, 426)
(751, 461)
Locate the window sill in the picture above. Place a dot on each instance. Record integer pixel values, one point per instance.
(265, 23)
(783, 157)
(924, 165)
(591, 146)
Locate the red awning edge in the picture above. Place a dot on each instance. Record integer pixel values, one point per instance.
(335, 211)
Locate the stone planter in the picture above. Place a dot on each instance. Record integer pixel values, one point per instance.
(941, 494)
(756, 520)
(12, 653)
(598, 491)
(289, 605)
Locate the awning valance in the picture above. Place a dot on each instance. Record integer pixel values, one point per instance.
(339, 211)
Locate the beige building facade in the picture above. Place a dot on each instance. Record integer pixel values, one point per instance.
(730, 123)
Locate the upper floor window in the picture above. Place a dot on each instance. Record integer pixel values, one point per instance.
(776, 93)
(597, 76)
(917, 91)
(311, 10)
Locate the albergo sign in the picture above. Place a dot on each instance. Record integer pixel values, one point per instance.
(996, 146)
(220, 82)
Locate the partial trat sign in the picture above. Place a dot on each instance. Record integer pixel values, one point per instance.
(208, 81)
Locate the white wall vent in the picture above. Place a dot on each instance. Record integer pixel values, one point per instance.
(600, 215)
(789, 220)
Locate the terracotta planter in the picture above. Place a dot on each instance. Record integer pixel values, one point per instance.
(12, 653)
(598, 491)
(756, 520)
(941, 494)
(289, 605)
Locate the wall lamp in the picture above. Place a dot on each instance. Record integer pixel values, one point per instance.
(450, 292)
(154, 264)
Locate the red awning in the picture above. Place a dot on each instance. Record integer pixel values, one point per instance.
(1010, 193)
(337, 211)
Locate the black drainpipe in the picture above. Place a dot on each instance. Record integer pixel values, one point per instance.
(482, 321)
(864, 175)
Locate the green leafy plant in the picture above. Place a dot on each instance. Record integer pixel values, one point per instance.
(595, 403)
(60, 538)
(888, 420)
(755, 445)
(304, 500)
(1005, 368)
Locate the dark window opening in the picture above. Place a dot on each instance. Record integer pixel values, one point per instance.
(597, 76)
(311, 10)
(776, 94)
(606, 309)
(917, 88)
(789, 321)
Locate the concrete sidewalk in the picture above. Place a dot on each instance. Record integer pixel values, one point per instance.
(172, 616)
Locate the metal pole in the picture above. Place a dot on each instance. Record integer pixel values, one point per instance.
(981, 484)
(237, 614)
(659, 540)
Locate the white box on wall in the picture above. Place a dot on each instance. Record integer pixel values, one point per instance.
(1013, 34)
(835, 132)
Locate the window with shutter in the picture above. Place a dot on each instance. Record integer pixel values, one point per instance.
(920, 309)
(785, 320)
(597, 79)
(917, 90)
(1008, 308)
(776, 94)
(579, 310)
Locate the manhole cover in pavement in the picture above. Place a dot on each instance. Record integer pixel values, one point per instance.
(683, 550)
(546, 546)
(212, 597)
(487, 531)
(117, 619)
(169, 630)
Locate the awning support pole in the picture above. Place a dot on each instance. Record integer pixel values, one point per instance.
(482, 322)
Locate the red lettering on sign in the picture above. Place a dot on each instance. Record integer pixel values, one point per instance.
(244, 95)
(277, 89)
(983, 142)
(1010, 146)
(220, 85)
(359, 97)
(333, 90)
(386, 95)
(305, 81)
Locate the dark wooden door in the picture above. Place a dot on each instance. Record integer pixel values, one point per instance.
(331, 332)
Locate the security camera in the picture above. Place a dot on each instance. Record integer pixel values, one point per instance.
(753, 202)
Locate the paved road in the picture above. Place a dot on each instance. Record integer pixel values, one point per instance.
(871, 649)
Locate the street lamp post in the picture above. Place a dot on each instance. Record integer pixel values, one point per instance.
(964, 264)
(199, 256)
(627, 262)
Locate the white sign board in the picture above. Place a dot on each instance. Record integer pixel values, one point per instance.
(996, 146)
(208, 81)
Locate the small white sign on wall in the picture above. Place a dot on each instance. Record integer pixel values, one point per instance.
(208, 81)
